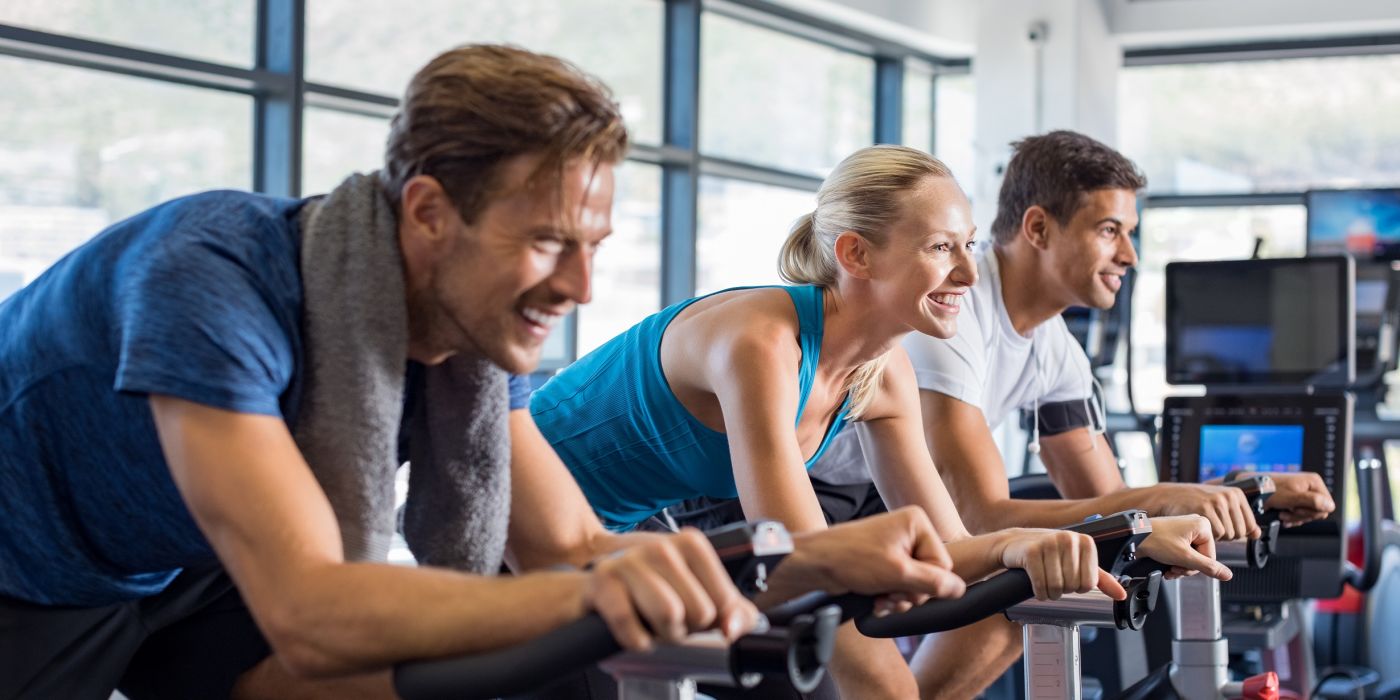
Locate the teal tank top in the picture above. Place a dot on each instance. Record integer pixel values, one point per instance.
(631, 445)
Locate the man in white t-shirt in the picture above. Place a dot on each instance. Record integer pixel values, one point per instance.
(1061, 238)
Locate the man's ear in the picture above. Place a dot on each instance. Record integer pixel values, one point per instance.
(426, 213)
(853, 254)
(1035, 226)
(426, 223)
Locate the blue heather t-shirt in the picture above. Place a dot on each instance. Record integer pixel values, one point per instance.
(199, 298)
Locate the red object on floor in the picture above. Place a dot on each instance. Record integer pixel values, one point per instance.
(1350, 602)
(1261, 687)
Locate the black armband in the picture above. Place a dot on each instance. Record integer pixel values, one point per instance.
(1063, 416)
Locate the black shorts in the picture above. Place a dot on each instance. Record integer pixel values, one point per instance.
(192, 640)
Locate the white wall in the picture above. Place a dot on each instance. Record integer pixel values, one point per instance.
(1071, 82)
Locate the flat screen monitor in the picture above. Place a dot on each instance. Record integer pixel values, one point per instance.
(1280, 322)
(1364, 223)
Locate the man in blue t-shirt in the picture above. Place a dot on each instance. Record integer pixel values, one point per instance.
(162, 532)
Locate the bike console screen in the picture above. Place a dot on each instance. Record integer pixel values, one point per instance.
(1254, 448)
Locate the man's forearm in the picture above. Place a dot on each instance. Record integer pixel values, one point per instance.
(577, 553)
(345, 618)
(797, 574)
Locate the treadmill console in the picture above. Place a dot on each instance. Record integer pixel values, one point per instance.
(1207, 437)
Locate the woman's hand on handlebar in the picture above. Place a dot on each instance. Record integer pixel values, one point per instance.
(1058, 562)
(672, 586)
(1187, 544)
(895, 555)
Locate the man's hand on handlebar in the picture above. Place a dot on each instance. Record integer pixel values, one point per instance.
(896, 555)
(1058, 562)
(672, 586)
(1226, 507)
(1187, 544)
(1300, 498)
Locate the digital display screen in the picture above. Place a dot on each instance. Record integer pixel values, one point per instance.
(1365, 223)
(1282, 321)
(1370, 297)
(1256, 448)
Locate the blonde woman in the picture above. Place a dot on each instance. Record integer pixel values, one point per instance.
(737, 393)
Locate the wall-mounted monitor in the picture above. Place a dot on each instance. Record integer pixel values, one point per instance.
(1282, 322)
(1363, 223)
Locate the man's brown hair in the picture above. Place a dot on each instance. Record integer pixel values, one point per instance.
(1055, 171)
(474, 107)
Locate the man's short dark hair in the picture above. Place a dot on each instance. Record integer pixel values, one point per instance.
(1055, 171)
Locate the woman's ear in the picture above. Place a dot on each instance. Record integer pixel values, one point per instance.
(853, 254)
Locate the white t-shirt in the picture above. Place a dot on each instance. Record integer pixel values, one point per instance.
(987, 364)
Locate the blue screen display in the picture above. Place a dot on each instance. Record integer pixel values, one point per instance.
(1258, 448)
(1218, 348)
(1361, 222)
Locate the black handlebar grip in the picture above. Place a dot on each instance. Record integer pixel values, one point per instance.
(981, 600)
(1257, 489)
(508, 671)
(797, 651)
(851, 605)
(1131, 613)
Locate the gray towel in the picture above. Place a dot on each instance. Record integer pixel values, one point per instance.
(356, 339)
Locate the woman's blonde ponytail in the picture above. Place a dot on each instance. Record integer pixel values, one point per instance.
(802, 260)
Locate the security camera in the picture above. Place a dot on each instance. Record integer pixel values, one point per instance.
(1037, 32)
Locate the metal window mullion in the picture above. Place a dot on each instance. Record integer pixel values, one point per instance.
(340, 99)
(658, 155)
(889, 100)
(1367, 45)
(763, 175)
(72, 51)
(681, 138)
(1223, 200)
(278, 112)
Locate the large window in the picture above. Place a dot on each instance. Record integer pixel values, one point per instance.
(955, 112)
(627, 268)
(735, 116)
(367, 45)
(918, 106)
(213, 30)
(1229, 148)
(742, 229)
(775, 99)
(1263, 126)
(89, 148)
(335, 144)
